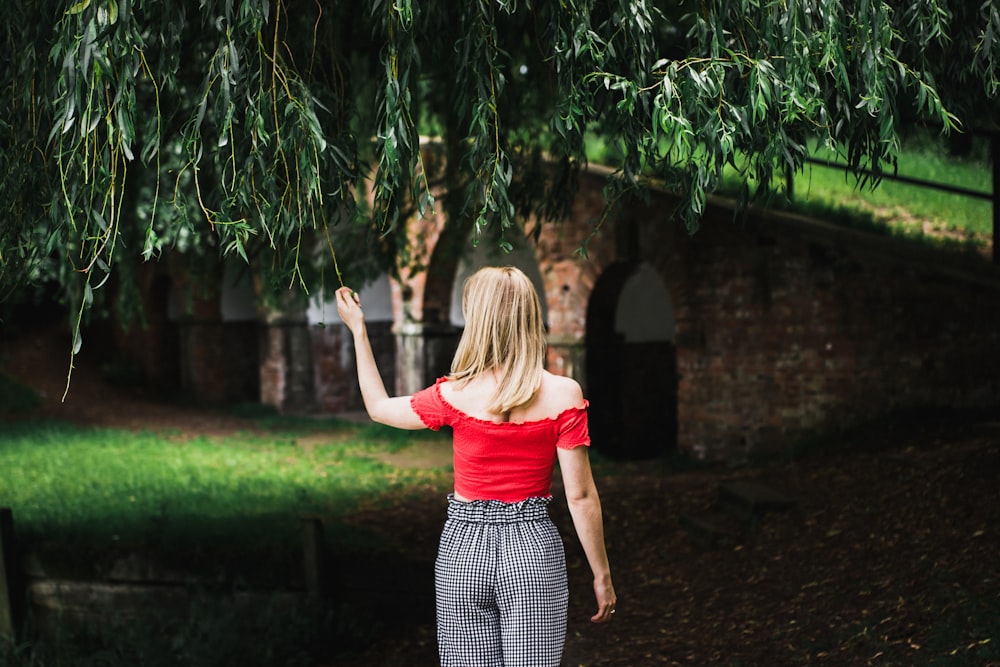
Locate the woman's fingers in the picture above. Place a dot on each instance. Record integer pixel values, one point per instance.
(349, 307)
(347, 295)
(604, 615)
(606, 601)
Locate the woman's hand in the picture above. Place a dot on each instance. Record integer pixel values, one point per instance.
(606, 600)
(349, 309)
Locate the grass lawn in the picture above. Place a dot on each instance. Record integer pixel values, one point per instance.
(907, 208)
(891, 207)
(235, 501)
(222, 514)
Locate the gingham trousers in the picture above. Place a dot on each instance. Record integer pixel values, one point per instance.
(500, 579)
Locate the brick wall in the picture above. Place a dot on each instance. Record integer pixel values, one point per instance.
(336, 375)
(788, 328)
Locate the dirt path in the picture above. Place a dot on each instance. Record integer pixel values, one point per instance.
(41, 361)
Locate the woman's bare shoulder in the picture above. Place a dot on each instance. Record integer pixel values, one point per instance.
(560, 392)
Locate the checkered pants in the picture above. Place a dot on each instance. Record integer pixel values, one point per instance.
(500, 578)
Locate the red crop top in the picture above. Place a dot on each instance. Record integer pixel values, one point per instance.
(507, 461)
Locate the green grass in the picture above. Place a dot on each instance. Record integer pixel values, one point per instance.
(233, 502)
(268, 418)
(902, 203)
(226, 513)
(891, 208)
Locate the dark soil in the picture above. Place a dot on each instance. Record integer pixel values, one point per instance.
(888, 556)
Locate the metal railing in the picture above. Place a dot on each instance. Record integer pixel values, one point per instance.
(993, 196)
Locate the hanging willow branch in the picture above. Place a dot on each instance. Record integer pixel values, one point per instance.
(400, 172)
(283, 131)
(99, 50)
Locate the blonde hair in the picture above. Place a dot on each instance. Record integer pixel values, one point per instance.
(503, 332)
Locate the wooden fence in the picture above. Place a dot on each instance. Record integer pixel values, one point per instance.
(11, 586)
(48, 594)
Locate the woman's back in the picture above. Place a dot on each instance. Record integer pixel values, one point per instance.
(555, 395)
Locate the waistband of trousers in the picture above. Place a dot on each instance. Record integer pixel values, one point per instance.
(534, 508)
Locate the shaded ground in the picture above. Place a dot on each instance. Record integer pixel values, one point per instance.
(889, 556)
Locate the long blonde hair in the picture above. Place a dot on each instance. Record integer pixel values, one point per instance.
(503, 332)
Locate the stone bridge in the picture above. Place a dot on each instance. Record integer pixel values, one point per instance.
(752, 335)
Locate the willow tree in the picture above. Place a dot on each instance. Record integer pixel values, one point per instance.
(257, 129)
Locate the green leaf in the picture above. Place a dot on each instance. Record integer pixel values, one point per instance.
(99, 219)
(78, 7)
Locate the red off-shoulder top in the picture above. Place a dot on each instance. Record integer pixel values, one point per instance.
(507, 461)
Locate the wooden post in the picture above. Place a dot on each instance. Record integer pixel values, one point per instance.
(9, 576)
(312, 554)
(995, 155)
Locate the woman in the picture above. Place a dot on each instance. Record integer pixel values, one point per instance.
(500, 574)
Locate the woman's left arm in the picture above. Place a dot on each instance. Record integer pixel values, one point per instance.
(585, 509)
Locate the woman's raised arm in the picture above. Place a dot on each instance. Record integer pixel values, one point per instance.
(392, 411)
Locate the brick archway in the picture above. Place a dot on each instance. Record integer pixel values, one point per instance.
(631, 369)
(785, 327)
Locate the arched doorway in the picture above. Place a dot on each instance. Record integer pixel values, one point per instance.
(631, 363)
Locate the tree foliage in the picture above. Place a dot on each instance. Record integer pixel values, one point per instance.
(258, 129)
